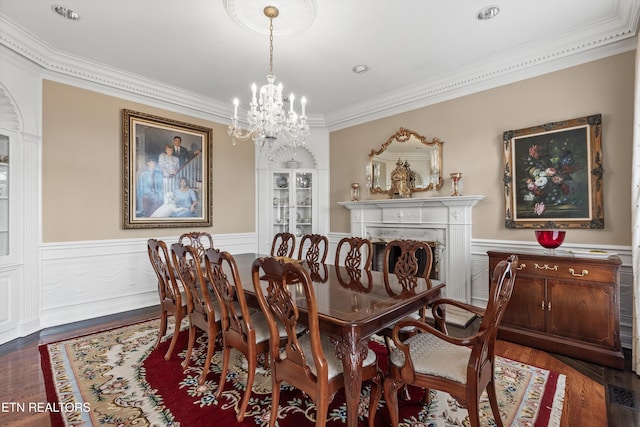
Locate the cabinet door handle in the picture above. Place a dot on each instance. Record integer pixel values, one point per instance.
(521, 266)
(546, 267)
(549, 306)
(542, 305)
(573, 273)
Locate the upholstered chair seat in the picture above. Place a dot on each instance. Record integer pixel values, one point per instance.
(434, 356)
(334, 364)
(262, 327)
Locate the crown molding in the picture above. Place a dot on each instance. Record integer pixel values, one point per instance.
(620, 38)
(479, 79)
(63, 67)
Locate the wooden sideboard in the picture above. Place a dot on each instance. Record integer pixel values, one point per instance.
(566, 305)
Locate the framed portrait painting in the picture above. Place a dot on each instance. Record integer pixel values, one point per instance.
(167, 172)
(553, 175)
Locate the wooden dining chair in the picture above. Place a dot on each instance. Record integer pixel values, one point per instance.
(200, 240)
(242, 329)
(172, 301)
(202, 308)
(355, 254)
(309, 363)
(462, 367)
(284, 244)
(413, 263)
(313, 248)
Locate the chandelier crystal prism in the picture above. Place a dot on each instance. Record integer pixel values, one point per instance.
(269, 126)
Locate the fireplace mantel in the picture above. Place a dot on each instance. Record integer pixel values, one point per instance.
(447, 220)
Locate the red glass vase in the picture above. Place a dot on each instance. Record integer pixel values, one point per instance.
(550, 239)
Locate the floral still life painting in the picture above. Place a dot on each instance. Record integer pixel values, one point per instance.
(553, 175)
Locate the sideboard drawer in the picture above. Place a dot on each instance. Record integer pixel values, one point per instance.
(579, 269)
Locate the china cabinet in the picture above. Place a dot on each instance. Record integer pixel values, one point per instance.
(293, 208)
(566, 305)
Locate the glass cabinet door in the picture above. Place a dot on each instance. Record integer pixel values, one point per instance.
(293, 202)
(303, 203)
(281, 210)
(4, 195)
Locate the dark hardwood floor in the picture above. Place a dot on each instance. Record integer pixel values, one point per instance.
(21, 379)
(622, 389)
(625, 384)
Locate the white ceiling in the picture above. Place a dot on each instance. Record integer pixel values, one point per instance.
(418, 51)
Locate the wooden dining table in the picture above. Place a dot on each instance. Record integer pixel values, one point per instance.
(350, 310)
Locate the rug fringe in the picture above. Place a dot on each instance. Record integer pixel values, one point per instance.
(558, 402)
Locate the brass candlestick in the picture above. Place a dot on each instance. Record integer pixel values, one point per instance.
(355, 192)
(456, 184)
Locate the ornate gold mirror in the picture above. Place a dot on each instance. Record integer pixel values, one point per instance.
(406, 163)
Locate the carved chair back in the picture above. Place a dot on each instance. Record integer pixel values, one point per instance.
(201, 304)
(357, 253)
(168, 288)
(199, 240)
(313, 248)
(284, 244)
(237, 325)
(502, 281)
(222, 273)
(171, 301)
(407, 264)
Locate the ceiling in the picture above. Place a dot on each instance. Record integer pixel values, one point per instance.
(418, 51)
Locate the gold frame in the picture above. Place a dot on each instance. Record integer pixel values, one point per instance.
(553, 175)
(144, 136)
(401, 136)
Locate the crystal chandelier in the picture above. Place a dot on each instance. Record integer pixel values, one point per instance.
(269, 125)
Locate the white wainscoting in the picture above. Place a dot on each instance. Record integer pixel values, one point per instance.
(83, 280)
(480, 272)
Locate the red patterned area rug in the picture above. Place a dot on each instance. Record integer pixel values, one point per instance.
(116, 378)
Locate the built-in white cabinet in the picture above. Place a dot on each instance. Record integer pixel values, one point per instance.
(294, 200)
(292, 191)
(4, 195)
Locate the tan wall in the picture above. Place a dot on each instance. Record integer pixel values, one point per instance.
(82, 169)
(472, 128)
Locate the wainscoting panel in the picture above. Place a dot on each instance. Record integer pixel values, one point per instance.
(9, 303)
(83, 280)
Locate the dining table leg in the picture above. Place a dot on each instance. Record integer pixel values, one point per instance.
(352, 351)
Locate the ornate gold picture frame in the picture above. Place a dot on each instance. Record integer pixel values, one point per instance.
(553, 175)
(167, 172)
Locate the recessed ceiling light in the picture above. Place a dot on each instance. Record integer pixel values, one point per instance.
(359, 69)
(487, 13)
(65, 13)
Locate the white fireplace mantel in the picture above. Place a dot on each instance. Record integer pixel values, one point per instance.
(446, 220)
